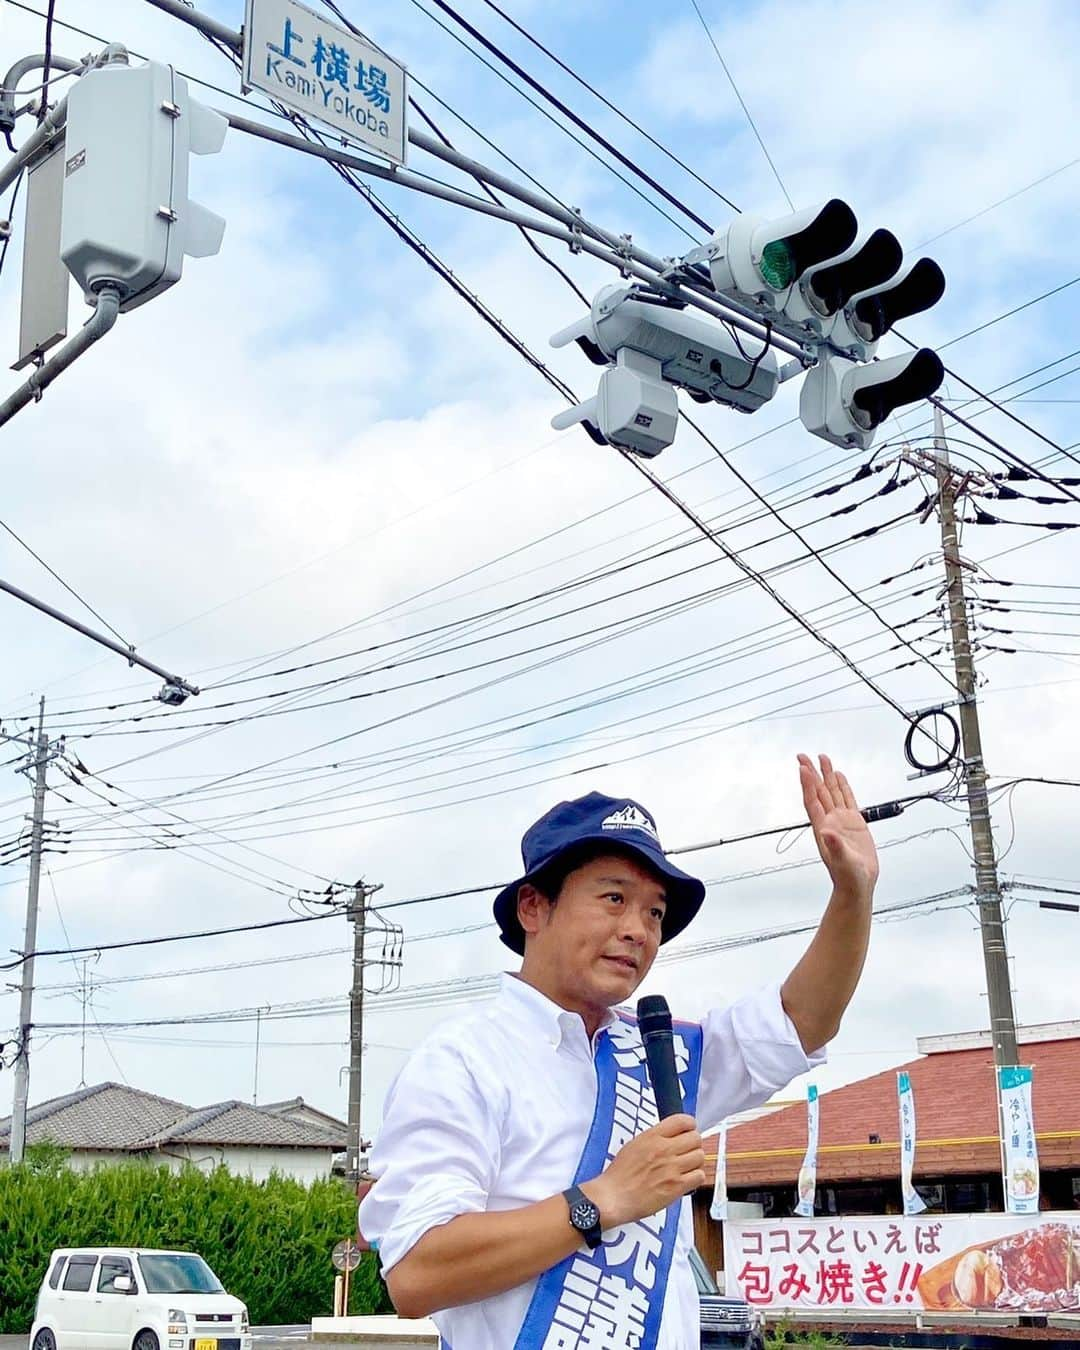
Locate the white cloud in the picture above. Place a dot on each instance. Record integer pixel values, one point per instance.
(310, 429)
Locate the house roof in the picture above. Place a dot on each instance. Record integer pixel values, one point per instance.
(106, 1116)
(298, 1109)
(240, 1123)
(956, 1112)
(113, 1117)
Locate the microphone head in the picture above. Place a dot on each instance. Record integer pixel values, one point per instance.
(653, 1014)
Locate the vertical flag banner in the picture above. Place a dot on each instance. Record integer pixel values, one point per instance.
(1021, 1158)
(718, 1208)
(808, 1170)
(913, 1201)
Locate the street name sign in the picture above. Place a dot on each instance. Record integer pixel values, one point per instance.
(325, 72)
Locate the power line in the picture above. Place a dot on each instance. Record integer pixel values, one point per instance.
(742, 103)
(567, 112)
(99, 729)
(173, 937)
(346, 736)
(1017, 309)
(606, 102)
(632, 721)
(56, 575)
(812, 551)
(1036, 182)
(452, 990)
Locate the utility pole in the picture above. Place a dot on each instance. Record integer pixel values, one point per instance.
(987, 886)
(357, 912)
(40, 749)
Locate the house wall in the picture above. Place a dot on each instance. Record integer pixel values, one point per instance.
(302, 1164)
(82, 1160)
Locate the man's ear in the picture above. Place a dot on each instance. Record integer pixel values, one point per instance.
(533, 909)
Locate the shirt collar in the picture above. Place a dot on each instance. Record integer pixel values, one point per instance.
(540, 1014)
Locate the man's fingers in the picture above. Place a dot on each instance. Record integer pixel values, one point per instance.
(810, 783)
(671, 1126)
(832, 785)
(849, 796)
(692, 1181)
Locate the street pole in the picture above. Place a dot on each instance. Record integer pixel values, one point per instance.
(987, 886)
(26, 992)
(358, 914)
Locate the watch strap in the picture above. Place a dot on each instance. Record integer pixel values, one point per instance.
(574, 1197)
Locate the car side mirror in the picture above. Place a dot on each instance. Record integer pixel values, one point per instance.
(124, 1284)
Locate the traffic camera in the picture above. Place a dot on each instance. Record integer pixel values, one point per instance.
(652, 345)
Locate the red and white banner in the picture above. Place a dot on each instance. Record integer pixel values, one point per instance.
(943, 1263)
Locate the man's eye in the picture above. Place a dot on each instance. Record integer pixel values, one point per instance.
(658, 914)
(614, 895)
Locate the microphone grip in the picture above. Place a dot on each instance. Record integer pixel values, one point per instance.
(660, 1060)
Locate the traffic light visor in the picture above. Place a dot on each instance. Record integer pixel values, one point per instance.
(875, 262)
(829, 231)
(915, 380)
(918, 290)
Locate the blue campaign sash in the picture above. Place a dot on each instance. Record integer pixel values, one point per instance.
(614, 1295)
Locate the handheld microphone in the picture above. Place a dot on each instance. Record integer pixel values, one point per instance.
(654, 1022)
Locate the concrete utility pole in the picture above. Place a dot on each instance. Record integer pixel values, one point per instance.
(987, 887)
(26, 992)
(357, 912)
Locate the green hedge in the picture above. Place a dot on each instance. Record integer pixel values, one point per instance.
(269, 1242)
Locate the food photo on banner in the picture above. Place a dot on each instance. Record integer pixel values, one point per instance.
(998, 1263)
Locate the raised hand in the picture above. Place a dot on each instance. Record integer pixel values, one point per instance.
(843, 839)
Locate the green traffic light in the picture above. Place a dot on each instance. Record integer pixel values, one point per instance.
(777, 265)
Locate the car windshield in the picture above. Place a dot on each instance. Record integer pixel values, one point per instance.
(704, 1281)
(181, 1274)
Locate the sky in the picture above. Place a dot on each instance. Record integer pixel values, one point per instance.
(310, 477)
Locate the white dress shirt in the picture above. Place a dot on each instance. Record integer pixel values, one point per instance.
(492, 1113)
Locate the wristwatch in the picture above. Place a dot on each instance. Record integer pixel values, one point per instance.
(584, 1215)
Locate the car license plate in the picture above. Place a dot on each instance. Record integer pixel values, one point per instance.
(206, 1343)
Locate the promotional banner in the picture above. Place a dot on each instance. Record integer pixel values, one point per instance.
(942, 1263)
(808, 1171)
(718, 1208)
(1021, 1157)
(913, 1201)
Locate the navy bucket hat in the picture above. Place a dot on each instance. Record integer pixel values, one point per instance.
(623, 824)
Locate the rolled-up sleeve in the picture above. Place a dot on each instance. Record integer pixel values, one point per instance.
(436, 1155)
(750, 1050)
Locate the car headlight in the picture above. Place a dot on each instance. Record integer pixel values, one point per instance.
(244, 1323)
(177, 1322)
(177, 1315)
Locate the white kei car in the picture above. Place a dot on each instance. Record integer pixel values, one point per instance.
(131, 1298)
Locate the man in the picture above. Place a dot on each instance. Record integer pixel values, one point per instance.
(527, 1198)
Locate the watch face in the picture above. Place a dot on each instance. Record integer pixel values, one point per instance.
(584, 1215)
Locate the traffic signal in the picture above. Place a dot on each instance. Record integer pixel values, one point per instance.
(759, 263)
(867, 315)
(846, 403)
(650, 347)
(822, 292)
(806, 276)
(127, 220)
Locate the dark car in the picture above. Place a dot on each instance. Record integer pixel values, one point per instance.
(724, 1321)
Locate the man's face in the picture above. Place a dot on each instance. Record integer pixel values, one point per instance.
(592, 948)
